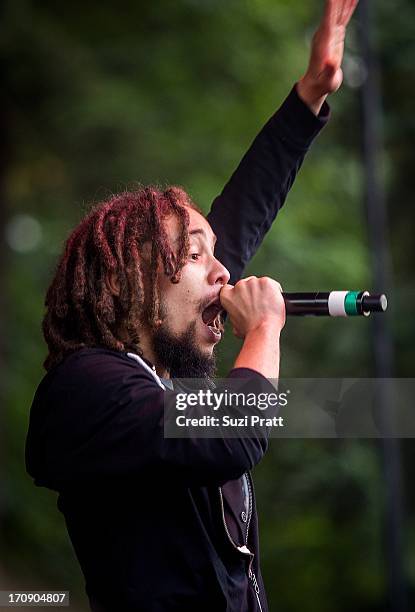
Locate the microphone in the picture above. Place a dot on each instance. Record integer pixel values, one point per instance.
(334, 303)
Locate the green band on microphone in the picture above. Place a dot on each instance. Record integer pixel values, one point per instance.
(350, 303)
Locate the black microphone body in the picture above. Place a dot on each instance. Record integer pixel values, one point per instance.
(334, 303)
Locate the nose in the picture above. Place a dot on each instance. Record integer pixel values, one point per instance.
(218, 273)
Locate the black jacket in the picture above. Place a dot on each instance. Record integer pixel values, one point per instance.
(156, 523)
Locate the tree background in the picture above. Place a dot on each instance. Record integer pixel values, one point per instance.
(99, 96)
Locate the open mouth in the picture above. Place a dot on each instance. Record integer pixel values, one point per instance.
(212, 316)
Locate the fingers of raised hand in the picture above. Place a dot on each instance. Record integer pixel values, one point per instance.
(338, 12)
(352, 4)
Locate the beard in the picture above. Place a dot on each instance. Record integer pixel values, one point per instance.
(180, 355)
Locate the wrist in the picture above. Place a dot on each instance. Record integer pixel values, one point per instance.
(310, 93)
(261, 349)
(268, 328)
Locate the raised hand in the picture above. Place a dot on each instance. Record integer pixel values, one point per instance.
(324, 74)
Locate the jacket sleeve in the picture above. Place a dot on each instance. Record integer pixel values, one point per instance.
(105, 419)
(245, 210)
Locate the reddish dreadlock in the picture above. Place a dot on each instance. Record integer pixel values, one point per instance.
(81, 310)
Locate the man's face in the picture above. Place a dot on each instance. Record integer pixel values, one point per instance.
(185, 341)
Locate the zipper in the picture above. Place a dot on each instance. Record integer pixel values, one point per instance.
(251, 572)
(248, 522)
(254, 581)
(244, 549)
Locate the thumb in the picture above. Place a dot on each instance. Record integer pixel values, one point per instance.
(329, 70)
(333, 74)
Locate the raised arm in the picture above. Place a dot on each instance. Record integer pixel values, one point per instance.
(245, 210)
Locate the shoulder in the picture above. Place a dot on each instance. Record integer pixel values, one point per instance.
(86, 361)
(95, 371)
(89, 386)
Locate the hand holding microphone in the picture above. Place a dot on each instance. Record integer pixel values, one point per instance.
(253, 303)
(257, 314)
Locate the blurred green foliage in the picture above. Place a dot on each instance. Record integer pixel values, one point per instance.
(99, 96)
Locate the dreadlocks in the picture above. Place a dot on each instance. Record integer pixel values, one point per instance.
(81, 309)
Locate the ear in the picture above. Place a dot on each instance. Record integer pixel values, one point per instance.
(113, 283)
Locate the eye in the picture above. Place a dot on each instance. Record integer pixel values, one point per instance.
(194, 256)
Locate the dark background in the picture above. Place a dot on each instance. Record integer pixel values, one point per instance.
(98, 96)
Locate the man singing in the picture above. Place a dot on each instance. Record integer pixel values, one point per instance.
(137, 300)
